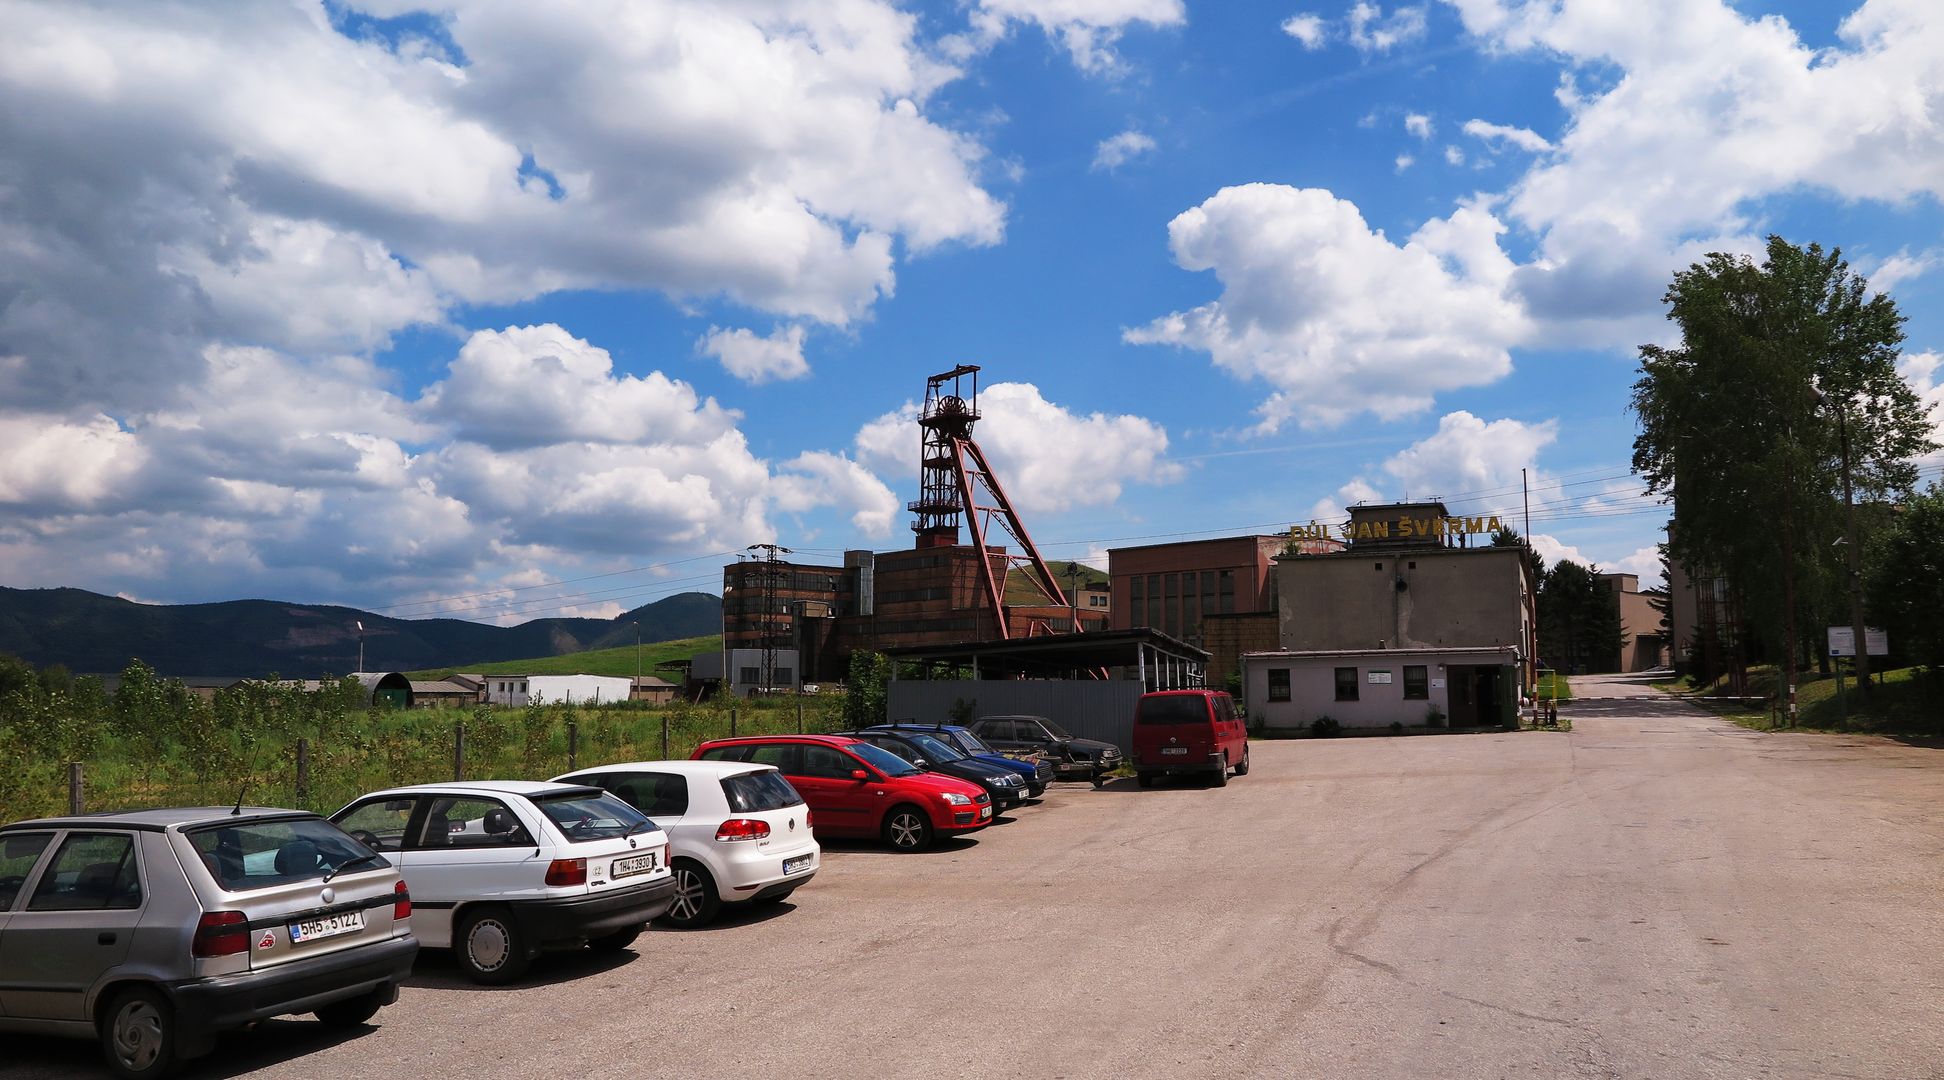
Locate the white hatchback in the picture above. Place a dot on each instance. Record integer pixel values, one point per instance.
(738, 831)
(502, 870)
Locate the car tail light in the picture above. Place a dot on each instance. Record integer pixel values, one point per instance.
(221, 933)
(562, 872)
(806, 819)
(742, 829)
(401, 902)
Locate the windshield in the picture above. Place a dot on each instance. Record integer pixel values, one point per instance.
(583, 816)
(933, 749)
(1054, 729)
(883, 760)
(968, 742)
(260, 854)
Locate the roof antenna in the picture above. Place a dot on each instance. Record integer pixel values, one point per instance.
(237, 810)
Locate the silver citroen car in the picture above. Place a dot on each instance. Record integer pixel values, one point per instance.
(153, 930)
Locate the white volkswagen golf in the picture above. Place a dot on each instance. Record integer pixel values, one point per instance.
(502, 870)
(738, 832)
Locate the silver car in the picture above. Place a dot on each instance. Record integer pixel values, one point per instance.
(153, 930)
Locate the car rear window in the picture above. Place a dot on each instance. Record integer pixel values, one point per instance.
(758, 791)
(1173, 709)
(583, 816)
(261, 854)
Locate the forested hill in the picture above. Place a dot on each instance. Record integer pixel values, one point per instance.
(91, 633)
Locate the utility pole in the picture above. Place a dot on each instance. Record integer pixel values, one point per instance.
(360, 623)
(1073, 592)
(1853, 549)
(772, 573)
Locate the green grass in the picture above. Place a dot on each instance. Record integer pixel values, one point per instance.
(1905, 702)
(619, 661)
(1553, 685)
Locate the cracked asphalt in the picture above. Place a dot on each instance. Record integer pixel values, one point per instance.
(1655, 894)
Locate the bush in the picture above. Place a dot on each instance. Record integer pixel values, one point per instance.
(1324, 726)
(964, 711)
(1434, 717)
(1397, 727)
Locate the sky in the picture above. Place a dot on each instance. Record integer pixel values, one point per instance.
(501, 311)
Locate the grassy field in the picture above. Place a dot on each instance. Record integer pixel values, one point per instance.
(1554, 686)
(619, 661)
(1905, 701)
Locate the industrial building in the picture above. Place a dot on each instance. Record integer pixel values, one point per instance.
(1417, 609)
(1643, 644)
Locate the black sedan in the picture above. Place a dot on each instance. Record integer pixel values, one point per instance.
(1007, 788)
(1085, 759)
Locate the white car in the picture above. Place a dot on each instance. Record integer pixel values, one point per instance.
(502, 870)
(738, 831)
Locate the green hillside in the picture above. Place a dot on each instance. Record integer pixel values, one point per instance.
(619, 661)
(1020, 588)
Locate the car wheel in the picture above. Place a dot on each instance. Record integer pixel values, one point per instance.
(1145, 779)
(489, 946)
(616, 941)
(696, 901)
(1220, 777)
(1243, 769)
(906, 829)
(138, 1034)
(1099, 780)
(353, 1011)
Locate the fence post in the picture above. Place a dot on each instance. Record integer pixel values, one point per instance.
(458, 749)
(303, 773)
(799, 715)
(75, 801)
(664, 752)
(573, 745)
(732, 721)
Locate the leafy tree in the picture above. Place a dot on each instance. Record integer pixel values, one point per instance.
(866, 689)
(1579, 619)
(1739, 423)
(1906, 584)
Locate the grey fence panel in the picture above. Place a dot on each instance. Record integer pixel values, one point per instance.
(1090, 710)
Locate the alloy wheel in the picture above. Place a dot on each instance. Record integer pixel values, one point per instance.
(688, 895)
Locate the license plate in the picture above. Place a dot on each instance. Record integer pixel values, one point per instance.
(630, 866)
(1174, 749)
(791, 866)
(345, 922)
(985, 811)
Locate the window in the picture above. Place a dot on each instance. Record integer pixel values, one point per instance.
(749, 675)
(1380, 568)
(787, 757)
(1416, 686)
(1346, 684)
(1225, 580)
(1278, 684)
(380, 824)
(1136, 599)
(90, 872)
(597, 816)
(1208, 592)
(1153, 600)
(465, 821)
(263, 854)
(755, 792)
(18, 854)
(1170, 604)
(654, 794)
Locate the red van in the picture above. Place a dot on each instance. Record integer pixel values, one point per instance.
(1188, 731)
(856, 789)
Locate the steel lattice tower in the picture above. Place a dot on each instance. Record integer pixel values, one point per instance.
(956, 481)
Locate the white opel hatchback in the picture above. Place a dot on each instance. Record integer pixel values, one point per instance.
(738, 832)
(502, 870)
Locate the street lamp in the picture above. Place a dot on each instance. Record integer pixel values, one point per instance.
(1853, 552)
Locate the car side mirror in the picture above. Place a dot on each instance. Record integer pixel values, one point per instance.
(918, 763)
(860, 774)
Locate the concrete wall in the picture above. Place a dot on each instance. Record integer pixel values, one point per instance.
(580, 689)
(1227, 637)
(1452, 597)
(1312, 687)
(1101, 710)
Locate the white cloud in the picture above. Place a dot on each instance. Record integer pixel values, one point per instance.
(1418, 124)
(1306, 28)
(757, 359)
(1088, 29)
(63, 465)
(1923, 371)
(1112, 153)
(1553, 551)
(1370, 30)
(818, 479)
(1467, 454)
(1501, 134)
(1048, 458)
(1902, 267)
(1643, 562)
(1404, 161)
(1454, 156)
(251, 176)
(1334, 316)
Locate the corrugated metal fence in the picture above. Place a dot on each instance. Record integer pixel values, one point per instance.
(1089, 710)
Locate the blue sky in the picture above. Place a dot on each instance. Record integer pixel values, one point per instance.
(426, 309)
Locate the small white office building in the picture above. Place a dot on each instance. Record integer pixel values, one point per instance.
(1374, 688)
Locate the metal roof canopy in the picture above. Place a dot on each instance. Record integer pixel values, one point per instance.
(1162, 662)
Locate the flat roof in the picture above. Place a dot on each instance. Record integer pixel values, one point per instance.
(1055, 652)
(1414, 650)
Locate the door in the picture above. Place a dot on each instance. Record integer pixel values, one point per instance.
(462, 848)
(841, 802)
(76, 922)
(1228, 728)
(19, 854)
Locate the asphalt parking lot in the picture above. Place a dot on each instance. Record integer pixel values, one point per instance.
(1655, 894)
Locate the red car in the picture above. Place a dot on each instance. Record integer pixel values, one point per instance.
(1188, 731)
(856, 789)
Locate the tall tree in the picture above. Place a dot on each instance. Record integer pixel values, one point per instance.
(1739, 423)
(1579, 619)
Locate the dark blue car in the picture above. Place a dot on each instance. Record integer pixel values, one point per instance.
(1036, 774)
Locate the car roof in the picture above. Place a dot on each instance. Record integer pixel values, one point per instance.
(160, 818)
(1012, 716)
(1198, 690)
(493, 787)
(758, 740)
(687, 766)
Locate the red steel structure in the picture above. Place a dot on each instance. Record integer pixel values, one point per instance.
(956, 481)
